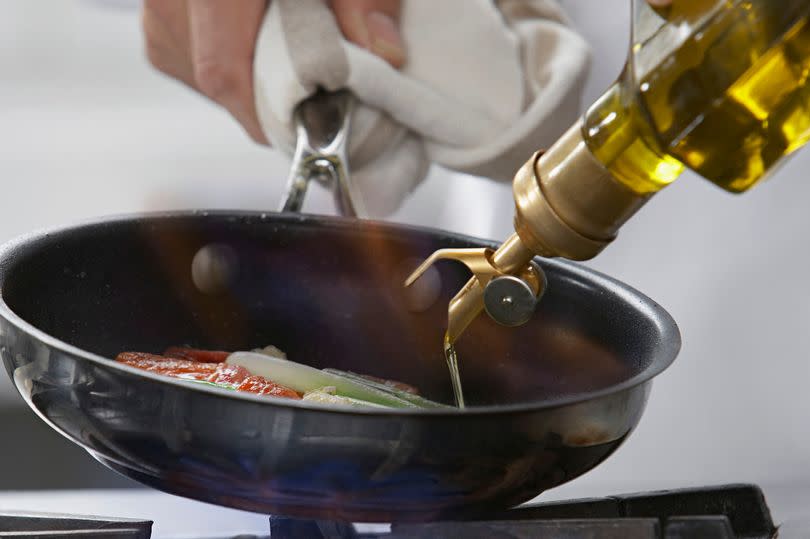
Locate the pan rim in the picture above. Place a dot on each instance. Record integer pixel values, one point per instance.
(668, 339)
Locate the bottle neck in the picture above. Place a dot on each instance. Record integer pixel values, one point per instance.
(568, 204)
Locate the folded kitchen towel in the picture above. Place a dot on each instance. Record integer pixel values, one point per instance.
(486, 83)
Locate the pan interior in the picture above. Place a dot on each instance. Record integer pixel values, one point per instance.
(329, 293)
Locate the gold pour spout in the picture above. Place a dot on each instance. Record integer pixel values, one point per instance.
(567, 205)
(505, 283)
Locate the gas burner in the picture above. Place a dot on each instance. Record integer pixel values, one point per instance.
(725, 512)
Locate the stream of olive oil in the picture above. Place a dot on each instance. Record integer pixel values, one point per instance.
(452, 366)
(729, 103)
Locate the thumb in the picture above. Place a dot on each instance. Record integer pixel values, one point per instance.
(374, 25)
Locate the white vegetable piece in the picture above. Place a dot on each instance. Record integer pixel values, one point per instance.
(271, 351)
(303, 378)
(324, 397)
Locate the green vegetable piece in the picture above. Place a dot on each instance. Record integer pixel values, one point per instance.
(404, 395)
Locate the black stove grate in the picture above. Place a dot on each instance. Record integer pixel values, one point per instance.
(726, 512)
(47, 526)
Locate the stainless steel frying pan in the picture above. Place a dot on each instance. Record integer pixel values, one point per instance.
(548, 401)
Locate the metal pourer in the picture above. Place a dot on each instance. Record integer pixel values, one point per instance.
(567, 205)
(507, 290)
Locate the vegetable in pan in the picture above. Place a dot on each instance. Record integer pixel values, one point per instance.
(268, 372)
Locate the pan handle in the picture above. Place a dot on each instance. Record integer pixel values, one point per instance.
(322, 124)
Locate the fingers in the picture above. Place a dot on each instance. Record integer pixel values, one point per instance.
(222, 44)
(374, 25)
(166, 36)
(210, 44)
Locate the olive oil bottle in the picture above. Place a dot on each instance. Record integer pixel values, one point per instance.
(717, 86)
(720, 87)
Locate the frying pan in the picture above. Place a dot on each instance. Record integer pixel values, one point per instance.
(547, 401)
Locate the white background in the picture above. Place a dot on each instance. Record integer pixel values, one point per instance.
(87, 128)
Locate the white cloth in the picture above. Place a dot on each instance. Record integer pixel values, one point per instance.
(485, 85)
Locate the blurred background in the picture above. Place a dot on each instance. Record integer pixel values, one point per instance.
(87, 128)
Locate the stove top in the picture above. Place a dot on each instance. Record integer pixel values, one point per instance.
(725, 512)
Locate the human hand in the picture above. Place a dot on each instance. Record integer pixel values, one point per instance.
(209, 44)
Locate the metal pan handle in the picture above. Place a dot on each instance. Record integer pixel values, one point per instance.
(322, 124)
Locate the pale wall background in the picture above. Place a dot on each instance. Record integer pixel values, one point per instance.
(87, 128)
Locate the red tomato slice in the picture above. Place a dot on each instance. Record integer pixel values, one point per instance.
(194, 354)
(168, 366)
(219, 373)
(262, 386)
(228, 375)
